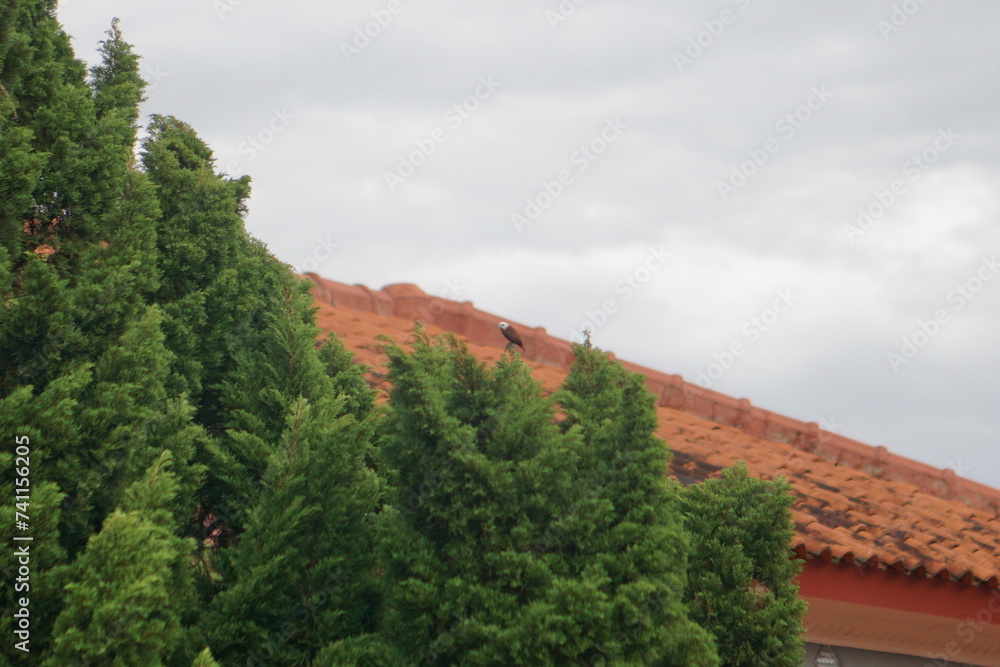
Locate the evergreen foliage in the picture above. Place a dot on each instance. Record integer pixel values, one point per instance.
(202, 246)
(140, 319)
(36, 420)
(480, 469)
(302, 574)
(625, 529)
(131, 584)
(208, 480)
(742, 580)
(205, 659)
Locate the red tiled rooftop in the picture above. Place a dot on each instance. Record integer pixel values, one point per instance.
(854, 503)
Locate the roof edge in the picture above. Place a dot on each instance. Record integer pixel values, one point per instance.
(407, 301)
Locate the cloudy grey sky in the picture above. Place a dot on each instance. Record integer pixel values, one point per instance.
(795, 203)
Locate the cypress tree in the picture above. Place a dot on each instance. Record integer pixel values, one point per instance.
(624, 530)
(211, 286)
(73, 138)
(20, 164)
(480, 468)
(138, 318)
(118, 90)
(79, 241)
(232, 311)
(302, 574)
(37, 421)
(47, 99)
(742, 579)
(84, 363)
(126, 418)
(347, 376)
(300, 432)
(130, 585)
(273, 362)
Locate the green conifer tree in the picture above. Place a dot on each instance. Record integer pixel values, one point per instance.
(131, 584)
(293, 463)
(37, 421)
(348, 377)
(273, 362)
(118, 89)
(125, 420)
(741, 585)
(624, 531)
(138, 317)
(48, 101)
(232, 311)
(480, 469)
(80, 239)
(84, 363)
(210, 264)
(302, 574)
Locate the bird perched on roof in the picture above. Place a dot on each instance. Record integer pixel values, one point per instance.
(510, 333)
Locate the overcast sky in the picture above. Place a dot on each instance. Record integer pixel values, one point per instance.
(795, 203)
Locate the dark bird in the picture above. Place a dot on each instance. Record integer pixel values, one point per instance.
(510, 333)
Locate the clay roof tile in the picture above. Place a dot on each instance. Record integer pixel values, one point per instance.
(872, 513)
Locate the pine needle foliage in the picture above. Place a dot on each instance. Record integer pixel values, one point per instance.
(625, 528)
(741, 585)
(210, 485)
(302, 575)
(130, 585)
(480, 468)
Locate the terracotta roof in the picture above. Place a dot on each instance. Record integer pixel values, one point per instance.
(854, 503)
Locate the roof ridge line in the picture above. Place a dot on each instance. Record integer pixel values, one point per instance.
(408, 301)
